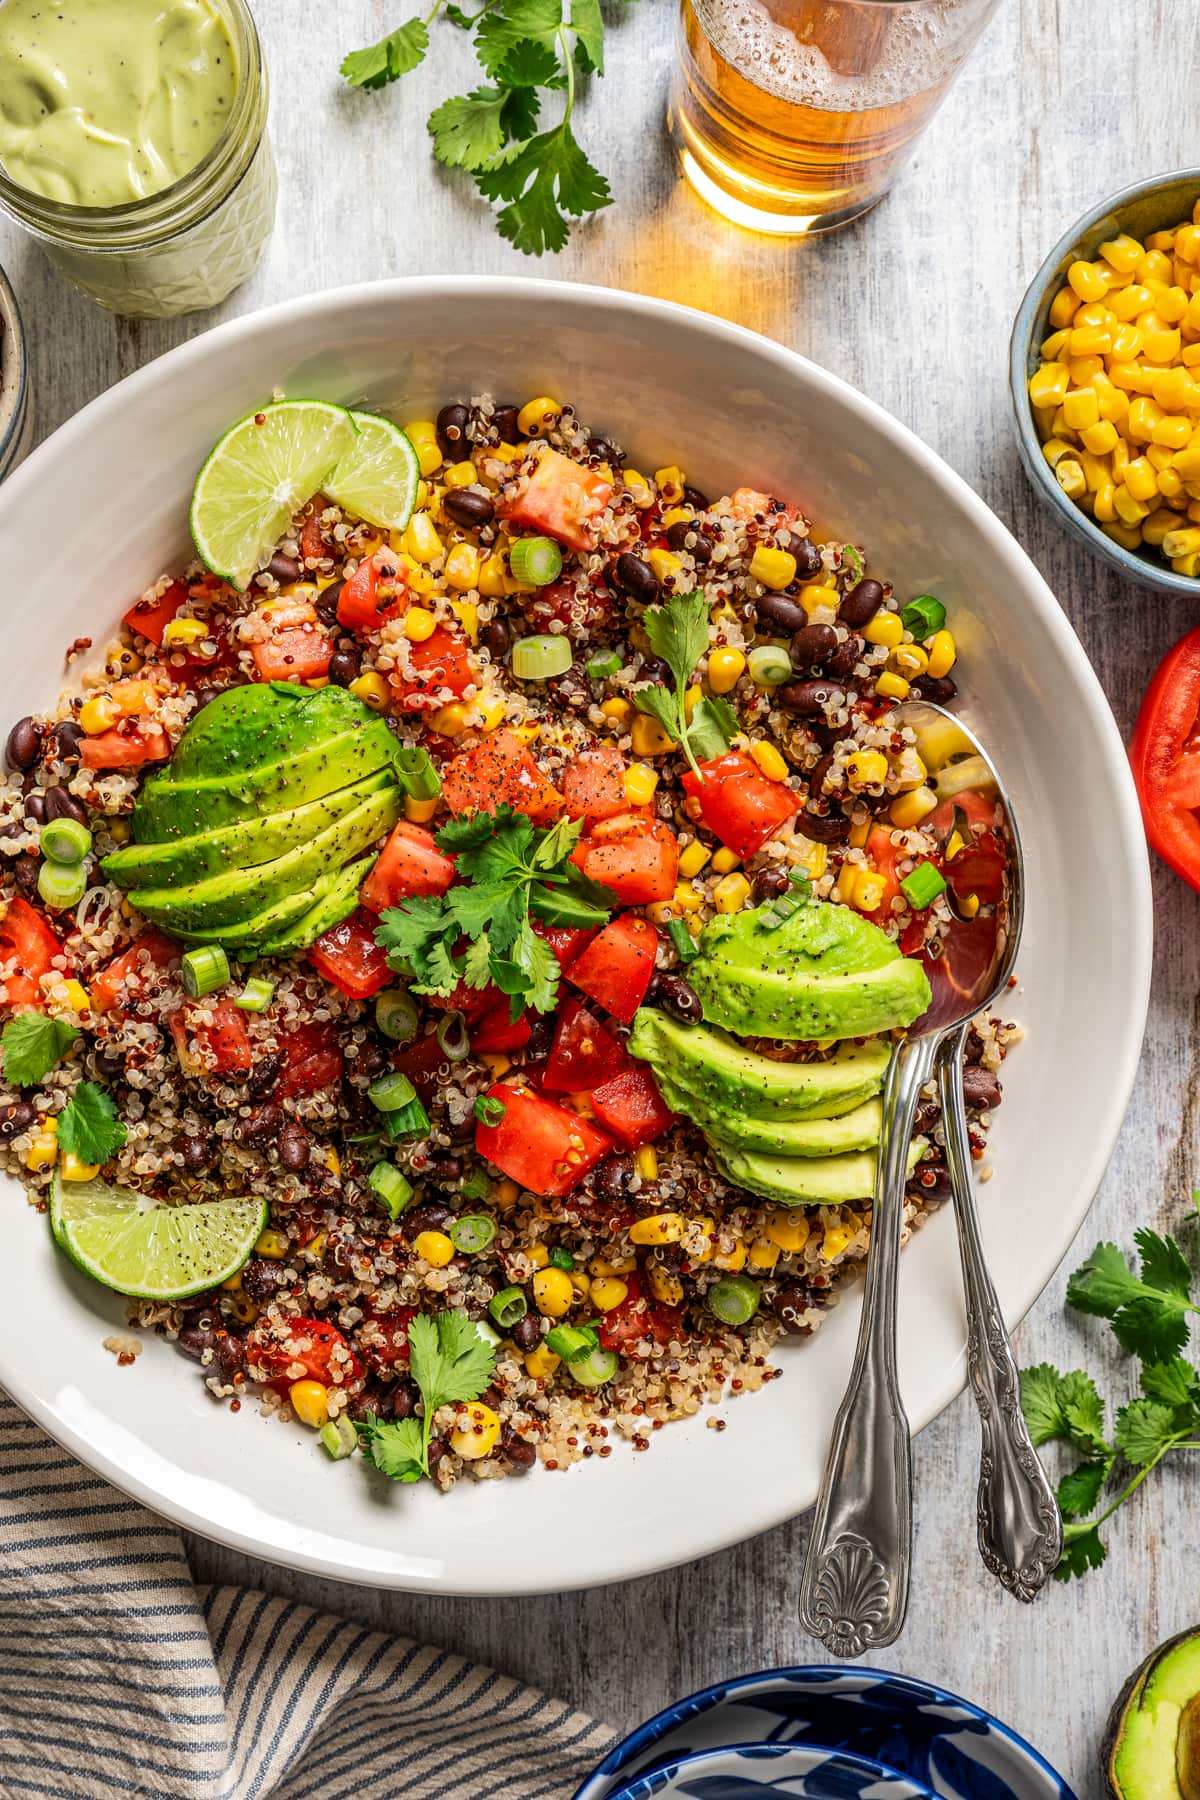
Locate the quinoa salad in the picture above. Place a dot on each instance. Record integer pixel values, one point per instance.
(483, 905)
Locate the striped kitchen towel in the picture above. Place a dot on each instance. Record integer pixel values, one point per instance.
(119, 1677)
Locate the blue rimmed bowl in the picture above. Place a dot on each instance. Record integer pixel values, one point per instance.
(773, 1772)
(938, 1740)
(1147, 206)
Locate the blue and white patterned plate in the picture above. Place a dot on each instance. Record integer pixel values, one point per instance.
(948, 1745)
(773, 1772)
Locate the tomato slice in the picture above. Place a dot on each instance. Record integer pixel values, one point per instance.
(410, 863)
(594, 784)
(131, 967)
(125, 746)
(348, 956)
(441, 665)
(312, 1059)
(500, 771)
(563, 500)
(27, 939)
(741, 805)
(496, 1032)
(375, 593)
(639, 867)
(278, 1346)
(584, 1054)
(546, 1147)
(616, 967)
(566, 941)
(297, 653)
(631, 1107)
(216, 1046)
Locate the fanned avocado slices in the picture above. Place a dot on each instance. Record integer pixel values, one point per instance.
(333, 900)
(805, 1181)
(698, 1066)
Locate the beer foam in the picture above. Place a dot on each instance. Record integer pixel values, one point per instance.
(919, 47)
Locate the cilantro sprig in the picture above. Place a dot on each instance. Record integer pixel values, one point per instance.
(451, 1365)
(540, 181)
(31, 1045)
(678, 632)
(512, 871)
(1148, 1310)
(88, 1125)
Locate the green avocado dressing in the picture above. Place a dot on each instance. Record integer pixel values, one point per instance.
(103, 102)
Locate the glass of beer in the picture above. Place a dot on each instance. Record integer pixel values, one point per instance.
(795, 116)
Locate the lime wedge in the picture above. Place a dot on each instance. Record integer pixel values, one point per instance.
(260, 474)
(377, 478)
(148, 1251)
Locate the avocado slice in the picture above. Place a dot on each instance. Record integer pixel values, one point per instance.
(334, 900)
(826, 972)
(804, 1180)
(698, 1066)
(855, 1130)
(245, 845)
(1152, 1744)
(231, 898)
(245, 938)
(264, 722)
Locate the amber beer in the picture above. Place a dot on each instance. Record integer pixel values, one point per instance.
(794, 116)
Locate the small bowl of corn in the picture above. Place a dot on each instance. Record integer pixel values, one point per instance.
(1105, 377)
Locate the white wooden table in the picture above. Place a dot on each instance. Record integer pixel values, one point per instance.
(1064, 102)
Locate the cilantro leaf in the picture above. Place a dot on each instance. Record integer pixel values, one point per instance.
(419, 936)
(661, 704)
(678, 632)
(31, 1044)
(1083, 1413)
(1144, 1431)
(544, 181)
(1148, 1313)
(88, 1126)
(1079, 1491)
(468, 129)
(530, 64)
(477, 964)
(538, 963)
(1042, 1404)
(1175, 1383)
(588, 26)
(448, 1359)
(557, 844)
(571, 899)
(395, 1446)
(506, 25)
(399, 52)
(1164, 1265)
(712, 727)
(1082, 1550)
(519, 114)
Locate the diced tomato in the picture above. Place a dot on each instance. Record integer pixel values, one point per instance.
(312, 537)
(496, 1032)
(739, 803)
(473, 1003)
(546, 1147)
(348, 956)
(637, 1318)
(639, 865)
(108, 988)
(278, 1347)
(566, 941)
(631, 1107)
(125, 746)
(422, 1061)
(389, 1349)
(442, 663)
(312, 1059)
(584, 1054)
(885, 857)
(298, 653)
(410, 863)
(150, 618)
(220, 1046)
(26, 937)
(563, 500)
(616, 967)
(375, 593)
(500, 771)
(594, 784)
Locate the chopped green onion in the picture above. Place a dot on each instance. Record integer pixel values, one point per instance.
(472, 1233)
(61, 884)
(205, 969)
(489, 1110)
(923, 885)
(476, 1186)
(923, 616)
(562, 1259)
(568, 1341)
(734, 1299)
(538, 658)
(339, 1437)
(605, 664)
(256, 996)
(853, 561)
(681, 937)
(396, 1014)
(407, 1122)
(535, 559)
(416, 771)
(388, 1093)
(452, 1037)
(594, 1369)
(801, 882)
(778, 912)
(769, 666)
(508, 1307)
(65, 840)
(391, 1186)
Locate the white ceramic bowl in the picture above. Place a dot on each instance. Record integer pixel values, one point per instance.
(99, 510)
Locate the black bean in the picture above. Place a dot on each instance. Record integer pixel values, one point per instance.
(345, 666)
(35, 807)
(295, 1147)
(61, 805)
(204, 694)
(504, 418)
(694, 497)
(931, 1180)
(981, 1088)
(285, 568)
(196, 1149)
(451, 425)
(372, 1059)
(926, 1116)
(194, 1340)
(468, 508)
(937, 688)
(230, 1357)
(812, 646)
(429, 1216)
(654, 669)
(685, 534)
(23, 746)
(808, 557)
(606, 452)
(679, 997)
(261, 1128)
(519, 1453)
(15, 1118)
(261, 1276)
(445, 1169)
(823, 828)
(781, 613)
(612, 1178)
(526, 1333)
(769, 884)
(817, 776)
(810, 698)
(25, 874)
(327, 602)
(437, 1449)
(265, 1074)
(68, 736)
(636, 577)
(860, 604)
(841, 664)
(402, 1401)
(496, 638)
(789, 1305)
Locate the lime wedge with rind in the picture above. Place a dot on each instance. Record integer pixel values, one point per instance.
(148, 1251)
(258, 477)
(377, 478)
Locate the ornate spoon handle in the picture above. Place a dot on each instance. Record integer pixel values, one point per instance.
(1020, 1528)
(854, 1589)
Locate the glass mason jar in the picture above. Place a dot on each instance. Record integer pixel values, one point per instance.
(187, 246)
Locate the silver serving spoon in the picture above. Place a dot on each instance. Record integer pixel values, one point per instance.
(854, 1588)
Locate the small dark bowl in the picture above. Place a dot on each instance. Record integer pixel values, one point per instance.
(1148, 206)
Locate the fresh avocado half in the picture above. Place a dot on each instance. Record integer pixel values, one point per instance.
(804, 1180)
(824, 973)
(1152, 1742)
(697, 1066)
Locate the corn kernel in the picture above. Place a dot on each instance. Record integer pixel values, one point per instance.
(541, 1363)
(685, 900)
(774, 568)
(664, 1284)
(1157, 524)
(885, 628)
(1054, 449)
(1070, 478)
(1187, 565)
(820, 601)
(762, 1254)
(1099, 439)
(552, 1292)
(310, 1402)
(462, 567)
(788, 1230)
(372, 690)
(1053, 346)
(860, 831)
(1129, 537)
(419, 812)
(422, 435)
(184, 631)
(649, 738)
(725, 859)
(316, 1247)
(271, 1243)
(692, 859)
(1140, 479)
(537, 416)
(892, 686)
(419, 624)
(475, 1432)
(72, 1168)
(1063, 308)
(836, 1239)
(868, 891)
(670, 483)
(666, 566)
(1123, 253)
(1181, 543)
(646, 1163)
(640, 783)
(1130, 510)
(732, 1260)
(77, 996)
(769, 761)
(1081, 407)
(98, 714)
(434, 1247)
(865, 769)
(1048, 385)
(637, 487)
(607, 1292)
(1161, 344)
(420, 539)
(1103, 507)
(460, 475)
(492, 577)
(448, 721)
(909, 809)
(1173, 433)
(731, 893)
(909, 660)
